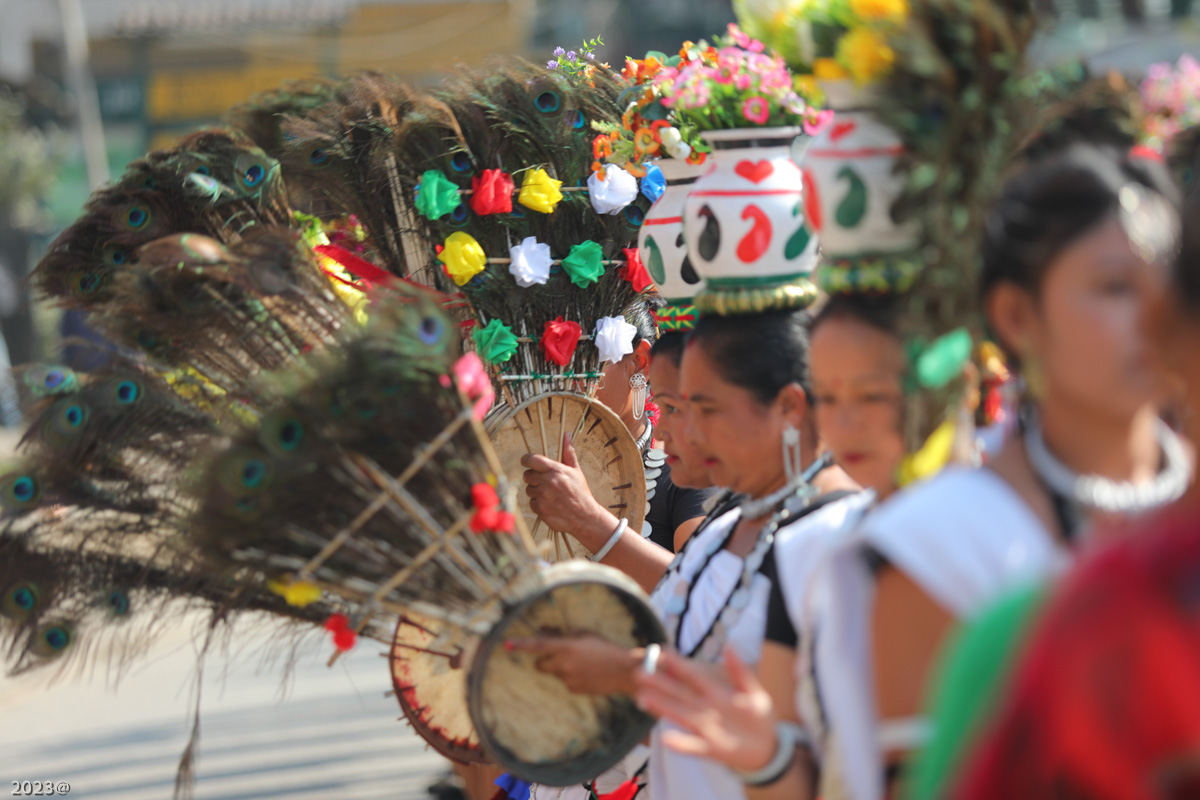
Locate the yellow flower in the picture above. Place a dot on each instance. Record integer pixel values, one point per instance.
(296, 593)
(538, 191)
(884, 10)
(865, 53)
(463, 256)
(827, 69)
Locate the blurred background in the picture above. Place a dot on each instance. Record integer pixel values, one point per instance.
(87, 86)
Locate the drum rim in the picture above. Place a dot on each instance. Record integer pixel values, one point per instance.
(585, 768)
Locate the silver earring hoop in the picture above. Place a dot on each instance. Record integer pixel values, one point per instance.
(641, 391)
(791, 452)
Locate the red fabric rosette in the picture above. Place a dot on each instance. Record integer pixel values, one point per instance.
(492, 192)
(560, 339)
(634, 271)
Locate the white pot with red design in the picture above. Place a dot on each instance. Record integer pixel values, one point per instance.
(850, 188)
(745, 226)
(661, 245)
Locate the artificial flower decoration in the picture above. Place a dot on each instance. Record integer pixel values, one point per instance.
(473, 381)
(489, 516)
(654, 184)
(673, 143)
(437, 195)
(463, 256)
(495, 342)
(344, 637)
(491, 192)
(296, 593)
(611, 190)
(530, 262)
(539, 191)
(936, 364)
(559, 340)
(634, 271)
(614, 338)
(585, 263)
(1170, 99)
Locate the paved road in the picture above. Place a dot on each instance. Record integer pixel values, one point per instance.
(334, 735)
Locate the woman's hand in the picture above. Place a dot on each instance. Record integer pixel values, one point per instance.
(730, 722)
(559, 494)
(586, 664)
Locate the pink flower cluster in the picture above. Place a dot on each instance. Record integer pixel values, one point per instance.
(734, 84)
(1171, 98)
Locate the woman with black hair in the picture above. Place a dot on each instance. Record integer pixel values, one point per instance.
(1103, 703)
(745, 381)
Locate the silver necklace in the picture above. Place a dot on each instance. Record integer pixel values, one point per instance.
(1105, 494)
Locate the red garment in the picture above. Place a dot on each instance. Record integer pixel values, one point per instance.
(1106, 705)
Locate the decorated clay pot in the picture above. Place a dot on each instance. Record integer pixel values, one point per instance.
(744, 223)
(849, 190)
(662, 248)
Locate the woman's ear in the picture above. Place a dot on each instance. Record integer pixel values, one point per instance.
(793, 404)
(1010, 314)
(641, 357)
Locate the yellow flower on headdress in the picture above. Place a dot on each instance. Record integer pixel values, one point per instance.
(539, 192)
(930, 458)
(865, 53)
(895, 11)
(296, 593)
(463, 256)
(828, 69)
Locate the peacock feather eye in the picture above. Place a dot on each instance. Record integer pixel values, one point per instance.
(203, 170)
(74, 415)
(85, 284)
(254, 472)
(20, 601)
(548, 102)
(53, 639)
(54, 378)
(460, 162)
(253, 176)
(24, 489)
(576, 119)
(128, 392)
(114, 255)
(430, 330)
(116, 602)
(318, 157)
(137, 217)
(634, 215)
(459, 216)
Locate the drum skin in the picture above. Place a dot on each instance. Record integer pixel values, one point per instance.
(429, 675)
(528, 721)
(607, 453)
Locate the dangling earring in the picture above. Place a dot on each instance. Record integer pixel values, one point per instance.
(1033, 377)
(791, 452)
(641, 390)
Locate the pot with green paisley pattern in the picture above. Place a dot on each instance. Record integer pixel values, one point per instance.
(745, 226)
(850, 188)
(661, 245)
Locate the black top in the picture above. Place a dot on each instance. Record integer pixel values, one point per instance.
(779, 623)
(672, 506)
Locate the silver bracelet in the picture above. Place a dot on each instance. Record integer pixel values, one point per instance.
(650, 661)
(785, 752)
(612, 541)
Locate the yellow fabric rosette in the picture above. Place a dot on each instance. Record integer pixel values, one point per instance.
(539, 191)
(463, 256)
